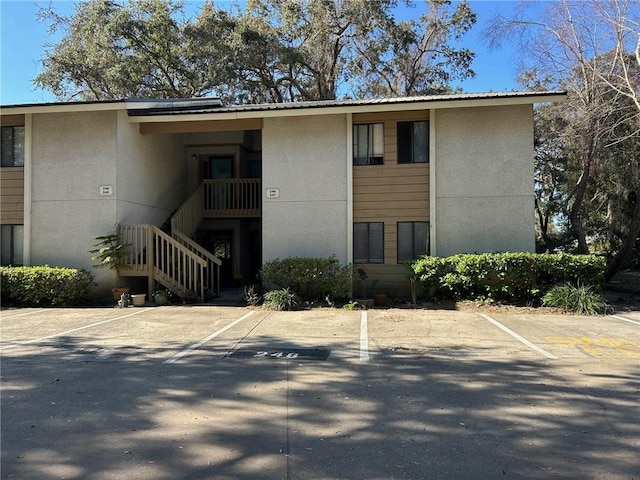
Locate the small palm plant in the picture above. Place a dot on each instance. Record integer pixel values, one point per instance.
(109, 251)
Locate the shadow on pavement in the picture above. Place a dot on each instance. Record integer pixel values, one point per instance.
(75, 410)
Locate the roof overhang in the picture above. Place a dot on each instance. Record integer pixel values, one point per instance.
(333, 107)
(63, 107)
(211, 109)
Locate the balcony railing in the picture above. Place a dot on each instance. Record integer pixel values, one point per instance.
(232, 197)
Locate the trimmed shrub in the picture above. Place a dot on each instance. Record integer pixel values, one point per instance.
(505, 276)
(283, 299)
(310, 278)
(579, 299)
(44, 286)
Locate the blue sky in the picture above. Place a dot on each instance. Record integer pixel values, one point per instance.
(23, 38)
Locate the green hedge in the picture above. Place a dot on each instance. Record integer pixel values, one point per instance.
(505, 276)
(310, 278)
(44, 286)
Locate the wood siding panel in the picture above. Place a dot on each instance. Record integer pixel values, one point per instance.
(390, 193)
(12, 195)
(11, 120)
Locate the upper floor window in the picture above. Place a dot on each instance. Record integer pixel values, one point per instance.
(13, 146)
(368, 144)
(413, 142)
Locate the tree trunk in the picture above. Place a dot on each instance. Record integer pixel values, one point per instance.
(575, 214)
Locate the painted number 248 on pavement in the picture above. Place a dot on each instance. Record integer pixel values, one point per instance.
(277, 354)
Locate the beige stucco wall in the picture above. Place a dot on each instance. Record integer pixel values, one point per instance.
(483, 180)
(151, 174)
(305, 158)
(73, 155)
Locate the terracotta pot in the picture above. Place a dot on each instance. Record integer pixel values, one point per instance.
(380, 299)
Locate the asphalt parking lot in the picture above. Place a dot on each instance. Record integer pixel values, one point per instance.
(207, 392)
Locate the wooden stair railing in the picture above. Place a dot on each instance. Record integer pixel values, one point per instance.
(212, 271)
(176, 260)
(153, 253)
(188, 217)
(219, 198)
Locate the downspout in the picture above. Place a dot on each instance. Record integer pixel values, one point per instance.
(28, 191)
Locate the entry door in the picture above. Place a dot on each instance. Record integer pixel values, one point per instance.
(217, 167)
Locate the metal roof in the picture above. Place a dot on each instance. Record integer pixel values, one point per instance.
(196, 107)
(179, 108)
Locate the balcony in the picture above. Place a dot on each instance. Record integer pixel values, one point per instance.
(232, 197)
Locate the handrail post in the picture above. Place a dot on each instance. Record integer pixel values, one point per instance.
(149, 262)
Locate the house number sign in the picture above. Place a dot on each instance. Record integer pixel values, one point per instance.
(273, 193)
(106, 190)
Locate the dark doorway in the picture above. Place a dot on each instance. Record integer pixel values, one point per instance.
(220, 243)
(217, 167)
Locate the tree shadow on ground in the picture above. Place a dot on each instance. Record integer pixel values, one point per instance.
(75, 409)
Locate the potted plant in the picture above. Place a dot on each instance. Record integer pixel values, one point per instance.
(190, 296)
(162, 297)
(111, 253)
(379, 298)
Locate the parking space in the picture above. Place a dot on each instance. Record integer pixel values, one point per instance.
(445, 334)
(29, 325)
(140, 333)
(327, 329)
(232, 393)
(574, 336)
(171, 333)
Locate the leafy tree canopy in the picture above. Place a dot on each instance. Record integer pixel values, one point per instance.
(270, 51)
(587, 163)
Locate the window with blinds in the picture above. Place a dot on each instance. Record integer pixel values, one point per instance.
(413, 240)
(368, 242)
(368, 144)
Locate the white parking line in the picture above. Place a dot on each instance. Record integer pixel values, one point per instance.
(19, 344)
(364, 337)
(5, 317)
(625, 319)
(182, 353)
(518, 337)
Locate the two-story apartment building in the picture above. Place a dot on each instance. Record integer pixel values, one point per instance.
(373, 182)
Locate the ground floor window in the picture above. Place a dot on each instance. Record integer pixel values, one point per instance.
(413, 240)
(368, 242)
(11, 244)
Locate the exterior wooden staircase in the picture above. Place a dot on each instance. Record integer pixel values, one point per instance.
(176, 261)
